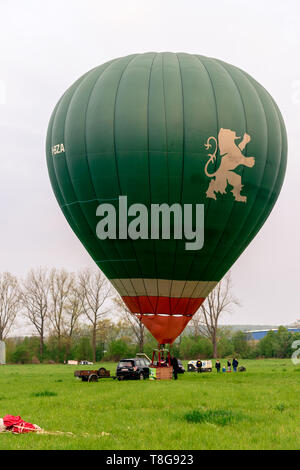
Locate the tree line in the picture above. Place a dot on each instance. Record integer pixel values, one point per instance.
(116, 340)
(80, 316)
(56, 303)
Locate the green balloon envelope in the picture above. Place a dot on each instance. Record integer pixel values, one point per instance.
(166, 128)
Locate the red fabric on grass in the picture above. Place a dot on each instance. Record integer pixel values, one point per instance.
(17, 425)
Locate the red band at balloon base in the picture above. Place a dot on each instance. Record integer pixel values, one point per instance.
(165, 317)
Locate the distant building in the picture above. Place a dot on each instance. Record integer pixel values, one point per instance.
(2, 353)
(256, 335)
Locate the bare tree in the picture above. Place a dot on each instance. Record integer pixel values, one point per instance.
(107, 331)
(135, 324)
(95, 290)
(60, 284)
(35, 300)
(10, 302)
(73, 309)
(206, 321)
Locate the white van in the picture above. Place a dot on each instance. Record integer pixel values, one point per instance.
(206, 366)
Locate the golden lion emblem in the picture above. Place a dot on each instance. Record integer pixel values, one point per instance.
(232, 157)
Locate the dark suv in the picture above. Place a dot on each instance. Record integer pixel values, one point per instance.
(136, 368)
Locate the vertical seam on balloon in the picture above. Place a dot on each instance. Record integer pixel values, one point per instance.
(218, 125)
(114, 120)
(267, 159)
(116, 163)
(50, 163)
(66, 161)
(55, 172)
(89, 73)
(51, 159)
(209, 202)
(162, 73)
(117, 170)
(166, 137)
(284, 143)
(284, 136)
(149, 180)
(182, 178)
(167, 148)
(264, 214)
(267, 133)
(234, 202)
(153, 242)
(166, 128)
(87, 157)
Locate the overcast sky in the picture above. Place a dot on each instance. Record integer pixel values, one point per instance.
(46, 45)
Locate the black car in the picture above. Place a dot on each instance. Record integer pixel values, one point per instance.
(133, 368)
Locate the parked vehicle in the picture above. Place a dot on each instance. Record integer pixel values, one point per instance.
(92, 375)
(181, 369)
(143, 356)
(206, 366)
(133, 368)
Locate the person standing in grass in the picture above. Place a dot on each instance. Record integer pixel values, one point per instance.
(235, 364)
(218, 365)
(174, 364)
(199, 366)
(228, 366)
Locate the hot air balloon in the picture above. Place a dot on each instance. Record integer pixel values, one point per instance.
(166, 128)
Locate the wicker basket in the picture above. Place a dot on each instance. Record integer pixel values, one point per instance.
(164, 373)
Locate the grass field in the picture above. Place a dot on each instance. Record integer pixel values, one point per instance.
(256, 409)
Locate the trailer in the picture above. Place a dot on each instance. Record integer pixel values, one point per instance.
(93, 375)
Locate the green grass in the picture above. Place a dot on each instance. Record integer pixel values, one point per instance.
(219, 417)
(256, 409)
